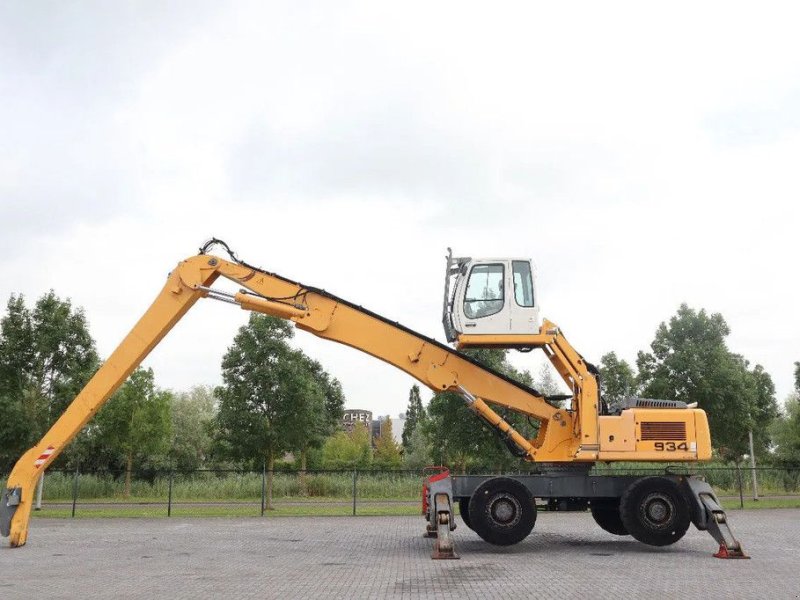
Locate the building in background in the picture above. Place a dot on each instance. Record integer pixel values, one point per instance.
(351, 416)
(397, 427)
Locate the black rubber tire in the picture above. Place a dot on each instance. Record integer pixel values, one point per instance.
(654, 511)
(463, 509)
(502, 511)
(606, 514)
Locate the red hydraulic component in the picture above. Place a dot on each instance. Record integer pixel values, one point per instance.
(437, 473)
(733, 553)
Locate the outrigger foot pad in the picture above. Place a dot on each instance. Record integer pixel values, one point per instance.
(8, 506)
(724, 552)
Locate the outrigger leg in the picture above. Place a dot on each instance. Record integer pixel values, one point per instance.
(708, 515)
(437, 506)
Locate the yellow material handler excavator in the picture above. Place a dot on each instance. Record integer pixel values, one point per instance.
(487, 303)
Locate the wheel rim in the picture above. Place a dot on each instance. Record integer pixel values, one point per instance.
(657, 510)
(504, 510)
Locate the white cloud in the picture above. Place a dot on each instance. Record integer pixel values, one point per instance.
(643, 156)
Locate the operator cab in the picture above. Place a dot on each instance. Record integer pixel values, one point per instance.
(491, 297)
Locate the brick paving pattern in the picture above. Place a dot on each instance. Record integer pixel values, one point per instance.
(567, 556)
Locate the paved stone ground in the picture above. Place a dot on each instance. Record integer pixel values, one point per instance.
(567, 556)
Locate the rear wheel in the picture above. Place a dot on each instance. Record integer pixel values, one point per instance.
(654, 511)
(502, 511)
(606, 514)
(463, 509)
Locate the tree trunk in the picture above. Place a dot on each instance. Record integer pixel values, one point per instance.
(128, 469)
(270, 474)
(303, 463)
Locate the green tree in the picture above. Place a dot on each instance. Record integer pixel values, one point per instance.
(617, 380)
(348, 450)
(763, 407)
(415, 414)
(269, 396)
(46, 357)
(418, 453)
(797, 377)
(320, 412)
(135, 422)
(192, 418)
(690, 361)
(387, 453)
(786, 432)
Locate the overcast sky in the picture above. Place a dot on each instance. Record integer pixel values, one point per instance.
(642, 155)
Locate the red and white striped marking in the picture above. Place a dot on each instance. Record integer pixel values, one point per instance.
(43, 457)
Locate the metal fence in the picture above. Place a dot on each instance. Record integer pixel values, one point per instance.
(225, 492)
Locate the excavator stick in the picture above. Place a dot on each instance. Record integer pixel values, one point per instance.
(708, 515)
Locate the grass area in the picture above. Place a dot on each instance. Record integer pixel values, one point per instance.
(236, 486)
(227, 501)
(788, 502)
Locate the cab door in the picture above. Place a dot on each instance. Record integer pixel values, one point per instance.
(485, 304)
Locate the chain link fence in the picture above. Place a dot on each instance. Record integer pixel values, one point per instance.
(225, 492)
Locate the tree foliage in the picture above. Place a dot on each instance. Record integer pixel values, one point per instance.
(415, 414)
(348, 450)
(690, 361)
(264, 384)
(786, 432)
(135, 422)
(617, 380)
(418, 453)
(387, 452)
(274, 399)
(320, 412)
(46, 357)
(192, 417)
(797, 376)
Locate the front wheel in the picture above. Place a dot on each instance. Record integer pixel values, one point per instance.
(654, 511)
(502, 511)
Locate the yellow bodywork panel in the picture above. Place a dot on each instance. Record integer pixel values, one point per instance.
(652, 434)
(618, 434)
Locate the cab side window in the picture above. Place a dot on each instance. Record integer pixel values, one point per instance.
(523, 283)
(484, 295)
